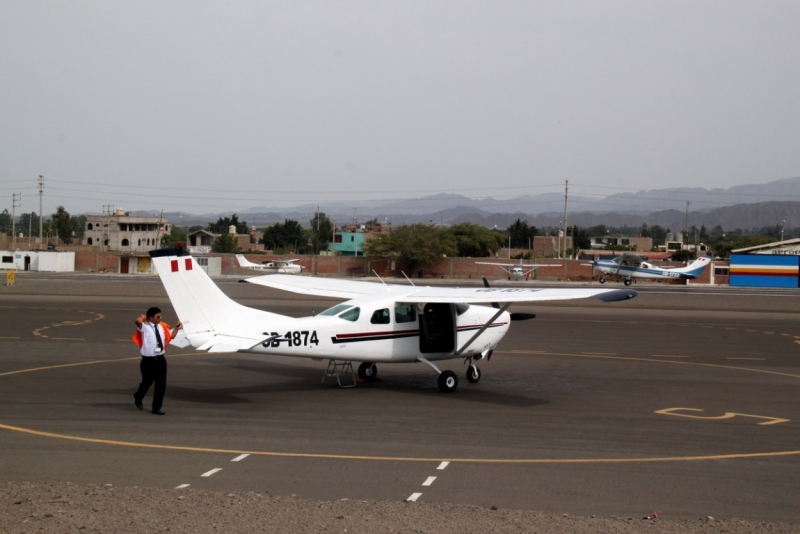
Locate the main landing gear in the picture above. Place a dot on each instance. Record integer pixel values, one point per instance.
(448, 381)
(367, 371)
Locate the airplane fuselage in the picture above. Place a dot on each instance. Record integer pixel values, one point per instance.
(624, 271)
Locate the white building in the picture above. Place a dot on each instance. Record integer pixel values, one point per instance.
(123, 233)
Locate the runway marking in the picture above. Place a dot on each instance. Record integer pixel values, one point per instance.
(413, 497)
(442, 466)
(99, 316)
(728, 415)
(240, 458)
(414, 459)
(406, 458)
(667, 356)
(182, 486)
(209, 473)
(428, 481)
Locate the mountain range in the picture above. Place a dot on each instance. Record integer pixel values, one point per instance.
(743, 207)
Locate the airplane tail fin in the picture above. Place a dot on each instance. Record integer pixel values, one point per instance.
(208, 315)
(696, 268)
(243, 262)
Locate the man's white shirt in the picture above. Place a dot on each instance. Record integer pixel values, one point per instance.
(149, 341)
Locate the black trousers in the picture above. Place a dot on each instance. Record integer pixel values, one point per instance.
(154, 369)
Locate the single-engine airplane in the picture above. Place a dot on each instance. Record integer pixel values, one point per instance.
(272, 266)
(378, 323)
(518, 270)
(629, 266)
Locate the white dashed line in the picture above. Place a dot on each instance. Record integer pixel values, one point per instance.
(442, 465)
(209, 473)
(240, 458)
(413, 497)
(428, 481)
(182, 486)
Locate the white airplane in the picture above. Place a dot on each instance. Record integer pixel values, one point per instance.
(273, 266)
(378, 323)
(629, 266)
(518, 269)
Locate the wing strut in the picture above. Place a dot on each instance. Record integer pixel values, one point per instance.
(482, 329)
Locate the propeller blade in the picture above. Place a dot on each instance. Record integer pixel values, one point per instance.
(486, 284)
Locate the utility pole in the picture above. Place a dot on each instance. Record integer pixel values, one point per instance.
(686, 224)
(566, 195)
(317, 236)
(14, 206)
(41, 191)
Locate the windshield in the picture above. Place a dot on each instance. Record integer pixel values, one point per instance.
(336, 309)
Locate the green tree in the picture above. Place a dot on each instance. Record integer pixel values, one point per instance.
(321, 232)
(580, 238)
(285, 236)
(29, 222)
(522, 234)
(415, 244)
(5, 222)
(475, 241)
(226, 243)
(63, 226)
(223, 223)
(174, 237)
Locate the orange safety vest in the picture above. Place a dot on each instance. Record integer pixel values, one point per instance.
(137, 336)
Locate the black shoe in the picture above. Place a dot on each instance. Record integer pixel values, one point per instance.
(138, 403)
(158, 412)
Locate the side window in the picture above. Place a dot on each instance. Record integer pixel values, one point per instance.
(351, 314)
(380, 316)
(405, 313)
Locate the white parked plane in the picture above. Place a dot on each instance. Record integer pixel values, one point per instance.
(518, 269)
(629, 266)
(273, 266)
(378, 323)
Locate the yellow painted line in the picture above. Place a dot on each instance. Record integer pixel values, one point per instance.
(9, 337)
(402, 458)
(727, 415)
(711, 365)
(667, 356)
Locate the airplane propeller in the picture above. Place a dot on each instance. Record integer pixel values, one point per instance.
(514, 316)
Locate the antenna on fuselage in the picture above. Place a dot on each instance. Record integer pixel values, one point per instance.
(379, 277)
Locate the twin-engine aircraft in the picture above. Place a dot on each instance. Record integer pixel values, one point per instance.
(628, 266)
(377, 323)
(518, 270)
(273, 266)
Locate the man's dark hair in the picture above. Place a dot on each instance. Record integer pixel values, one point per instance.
(151, 312)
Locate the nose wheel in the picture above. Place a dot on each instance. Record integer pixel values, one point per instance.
(473, 374)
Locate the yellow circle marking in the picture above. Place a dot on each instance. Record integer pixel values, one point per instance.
(403, 458)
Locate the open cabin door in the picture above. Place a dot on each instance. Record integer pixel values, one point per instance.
(437, 328)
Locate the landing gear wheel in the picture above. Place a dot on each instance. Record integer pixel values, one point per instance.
(602, 280)
(367, 371)
(448, 382)
(473, 374)
(627, 281)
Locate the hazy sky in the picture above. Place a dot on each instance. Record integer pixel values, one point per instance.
(210, 106)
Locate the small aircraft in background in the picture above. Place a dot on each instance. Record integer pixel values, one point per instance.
(272, 266)
(376, 323)
(518, 270)
(628, 266)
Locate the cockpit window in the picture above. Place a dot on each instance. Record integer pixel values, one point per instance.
(461, 308)
(405, 313)
(380, 316)
(336, 309)
(351, 314)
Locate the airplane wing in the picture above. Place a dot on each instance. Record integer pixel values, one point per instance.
(534, 265)
(323, 287)
(470, 295)
(348, 289)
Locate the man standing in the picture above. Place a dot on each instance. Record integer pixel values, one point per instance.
(153, 336)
